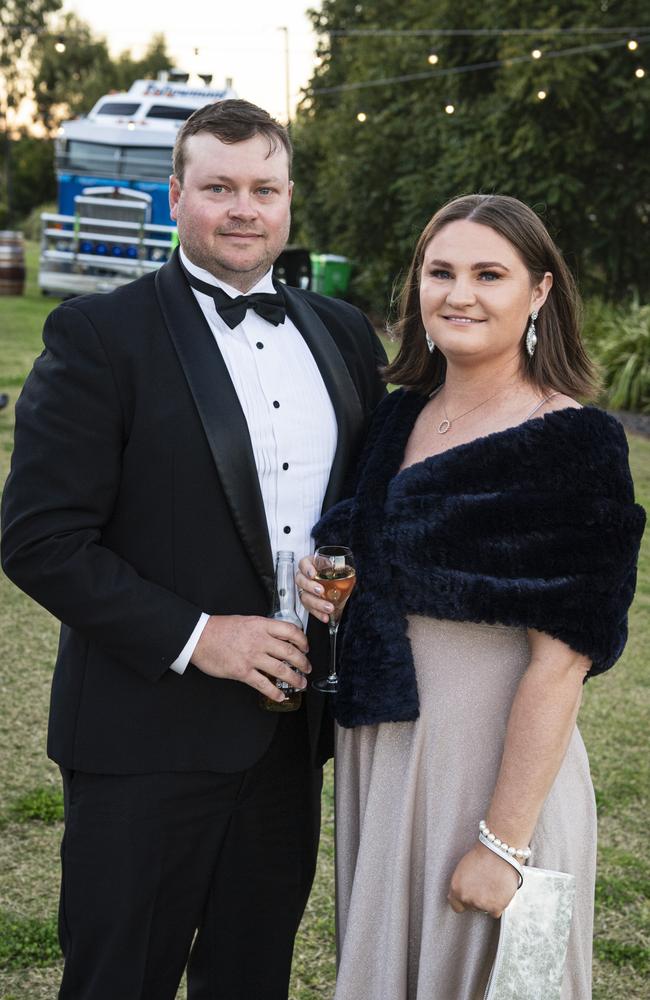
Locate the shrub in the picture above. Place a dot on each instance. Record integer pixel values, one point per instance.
(31, 224)
(618, 339)
(27, 941)
(45, 804)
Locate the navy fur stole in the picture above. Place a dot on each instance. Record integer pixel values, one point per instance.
(532, 526)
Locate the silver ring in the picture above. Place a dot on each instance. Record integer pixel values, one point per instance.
(301, 591)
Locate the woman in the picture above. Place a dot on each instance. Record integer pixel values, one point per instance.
(496, 537)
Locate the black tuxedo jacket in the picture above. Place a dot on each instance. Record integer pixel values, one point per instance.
(133, 504)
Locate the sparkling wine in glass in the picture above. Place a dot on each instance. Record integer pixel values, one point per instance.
(335, 570)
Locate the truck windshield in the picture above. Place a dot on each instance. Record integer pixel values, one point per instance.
(167, 111)
(117, 108)
(132, 162)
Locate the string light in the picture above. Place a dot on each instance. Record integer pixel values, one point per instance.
(477, 32)
(433, 58)
(639, 73)
(470, 68)
(536, 53)
(362, 116)
(632, 45)
(541, 95)
(449, 109)
(59, 45)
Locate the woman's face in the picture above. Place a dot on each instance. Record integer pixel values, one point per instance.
(476, 294)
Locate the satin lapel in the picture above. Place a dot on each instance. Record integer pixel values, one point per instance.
(220, 412)
(342, 390)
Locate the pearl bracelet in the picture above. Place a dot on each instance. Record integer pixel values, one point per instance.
(521, 853)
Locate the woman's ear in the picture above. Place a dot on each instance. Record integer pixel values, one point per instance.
(540, 292)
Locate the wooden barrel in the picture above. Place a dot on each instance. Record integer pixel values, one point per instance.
(12, 263)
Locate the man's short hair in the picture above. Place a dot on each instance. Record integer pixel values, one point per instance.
(230, 121)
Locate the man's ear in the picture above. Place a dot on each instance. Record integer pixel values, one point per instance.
(174, 196)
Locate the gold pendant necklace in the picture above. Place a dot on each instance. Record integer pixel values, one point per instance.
(446, 423)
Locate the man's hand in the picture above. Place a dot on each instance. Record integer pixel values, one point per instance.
(246, 648)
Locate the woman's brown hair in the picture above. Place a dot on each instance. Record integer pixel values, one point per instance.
(560, 361)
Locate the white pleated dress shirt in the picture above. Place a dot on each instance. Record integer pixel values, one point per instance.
(290, 417)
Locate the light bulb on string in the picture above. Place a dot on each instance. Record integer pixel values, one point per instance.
(433, 58)
(449, 109)
(536, 53)
(633, 45)
(542, 95)
(362, 116)
(59, 45)
(639, 73)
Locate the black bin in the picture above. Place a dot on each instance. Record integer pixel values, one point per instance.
(293, 266)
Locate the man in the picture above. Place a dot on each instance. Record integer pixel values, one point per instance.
(163, 452)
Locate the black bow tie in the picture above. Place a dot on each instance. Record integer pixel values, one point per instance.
(270, 306)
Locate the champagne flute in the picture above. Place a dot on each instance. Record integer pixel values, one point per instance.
(335, 570)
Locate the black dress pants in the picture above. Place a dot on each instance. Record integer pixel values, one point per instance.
(148, 860)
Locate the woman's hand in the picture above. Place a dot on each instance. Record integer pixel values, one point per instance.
(310, 591)
(482, 882)
(541, 721)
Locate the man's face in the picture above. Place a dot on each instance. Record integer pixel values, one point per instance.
(233, 208)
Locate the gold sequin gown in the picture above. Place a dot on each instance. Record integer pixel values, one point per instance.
(409, 796)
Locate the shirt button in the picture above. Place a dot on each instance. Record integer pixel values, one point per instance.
(287, 529)
(285, 466)
(259, 345)
(276, 404)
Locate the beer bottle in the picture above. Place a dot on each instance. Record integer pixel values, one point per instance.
(284, 610)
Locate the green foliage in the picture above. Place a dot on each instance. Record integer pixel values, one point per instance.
(619, 339)
(370, 187)
(617, 892)
(31, 224)
(27, 941)
(44, 804)
(69, 83)
(21, 21)
(634, 955)
(34, 181)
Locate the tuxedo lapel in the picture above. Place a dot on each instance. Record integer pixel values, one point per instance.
(220, 412)
(342, 390)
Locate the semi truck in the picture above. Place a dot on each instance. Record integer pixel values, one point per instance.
(112, 222)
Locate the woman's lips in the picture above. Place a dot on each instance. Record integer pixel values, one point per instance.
(463, 320)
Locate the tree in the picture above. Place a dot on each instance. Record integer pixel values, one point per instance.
(68, 83)
(573, 155)
(34, 179)
(21, 22)
(155, 59)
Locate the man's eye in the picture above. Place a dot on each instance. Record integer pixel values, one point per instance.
(216, 188)
(265, 191)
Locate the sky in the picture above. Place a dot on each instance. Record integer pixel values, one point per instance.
(240, 40)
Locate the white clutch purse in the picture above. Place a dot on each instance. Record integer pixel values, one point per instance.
(533, 938)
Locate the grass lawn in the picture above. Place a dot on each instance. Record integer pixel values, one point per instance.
(613, 720)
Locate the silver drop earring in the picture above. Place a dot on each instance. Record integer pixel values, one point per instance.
(430, 343)
(531, 336)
